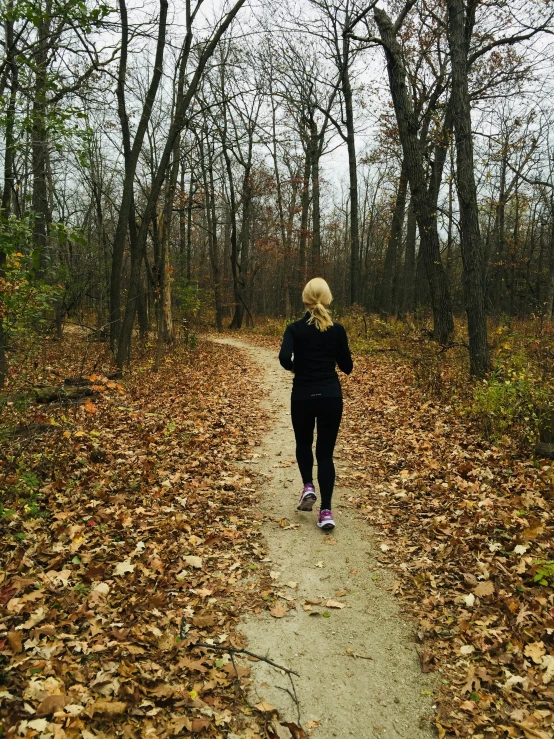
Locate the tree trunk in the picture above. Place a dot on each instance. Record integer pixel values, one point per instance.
(131, 154)
(164, 318)
(234, 256)
(39, 155)
(182, 220)
(9, 174)
(407, 301)
(245, 236)
(316, 211)
(214, 255)
(499, 279)
(211, 223)
(291, 288)
(549, 301)
(305, 204)
(352, 173)
(183, 101)
(142, 310)
(189, 227)
(471, 245)
(422, 197)
(386, 299)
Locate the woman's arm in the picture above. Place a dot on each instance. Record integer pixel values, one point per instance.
(344, 358)
(287, 350)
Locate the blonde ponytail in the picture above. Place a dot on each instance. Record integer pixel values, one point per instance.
(317, 297)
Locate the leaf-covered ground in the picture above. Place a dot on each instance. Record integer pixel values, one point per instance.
(468, 528)
(127, 512)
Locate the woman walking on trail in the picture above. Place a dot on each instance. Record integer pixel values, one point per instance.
(312, 348)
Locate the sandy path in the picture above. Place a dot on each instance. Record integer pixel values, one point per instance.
(384, 696)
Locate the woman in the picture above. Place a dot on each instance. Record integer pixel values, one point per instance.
(312, 347)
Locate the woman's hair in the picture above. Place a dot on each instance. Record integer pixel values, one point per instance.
(317, 297)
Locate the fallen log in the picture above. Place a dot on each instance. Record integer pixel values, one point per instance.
(57, 393)
(545, 450)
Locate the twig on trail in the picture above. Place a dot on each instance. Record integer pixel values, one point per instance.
(294, 698)
(237, 678)
(232, 651)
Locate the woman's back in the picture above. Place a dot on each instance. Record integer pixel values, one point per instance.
(316, 354)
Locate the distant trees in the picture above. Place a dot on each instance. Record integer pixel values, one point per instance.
(401, 151)
(470, 36)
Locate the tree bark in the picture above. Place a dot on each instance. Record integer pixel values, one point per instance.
(352, 172)
(131, 154)
(234, 256)
(409, 271)
(190, 203)
(549, 301)
(316, 209)
(422, 196)
(386, 297)
(459, 35)
(304, 220)
(39, 154)
(211, 222)
(499, 278)
(164, 318)
(9, 173)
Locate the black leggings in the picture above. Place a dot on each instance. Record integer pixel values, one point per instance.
(328, 412)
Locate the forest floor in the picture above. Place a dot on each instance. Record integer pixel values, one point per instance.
(148, 532)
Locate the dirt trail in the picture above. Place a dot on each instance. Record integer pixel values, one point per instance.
(382, 694)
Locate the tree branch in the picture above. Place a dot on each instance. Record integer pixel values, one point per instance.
(402, 16)
(508, 41)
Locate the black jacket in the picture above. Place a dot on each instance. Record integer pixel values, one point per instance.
(313, 355)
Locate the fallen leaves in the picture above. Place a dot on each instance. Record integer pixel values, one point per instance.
(467, 527)
(34, 619)
(278, 610)
(193, 561)
(107, 707)
(122, 568)
(157, 526)
(51, 704)
(547, 663)
(536, 651)
(484, 589)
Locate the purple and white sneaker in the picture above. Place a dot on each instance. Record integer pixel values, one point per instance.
(325, 519)
(307, 498)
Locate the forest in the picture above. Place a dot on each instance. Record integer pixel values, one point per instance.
(167, 161)
(171, 176)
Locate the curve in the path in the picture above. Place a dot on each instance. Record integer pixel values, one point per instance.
(381, 693)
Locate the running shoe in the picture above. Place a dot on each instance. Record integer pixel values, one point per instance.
(325, 519)
(307, 498)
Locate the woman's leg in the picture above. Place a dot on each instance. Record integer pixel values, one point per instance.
(303, 423)
(329, 414)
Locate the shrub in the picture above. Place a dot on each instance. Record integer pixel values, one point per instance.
(515, 398)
